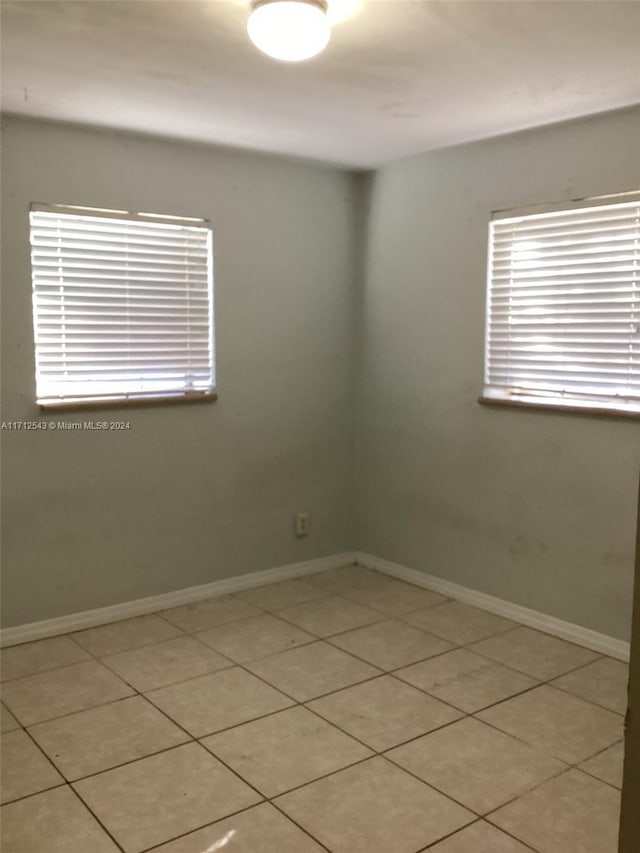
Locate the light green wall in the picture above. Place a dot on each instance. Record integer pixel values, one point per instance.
(330, 288)
(191, 493)
(534, 508)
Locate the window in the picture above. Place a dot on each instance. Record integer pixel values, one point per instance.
(122, 306)
(563, 307)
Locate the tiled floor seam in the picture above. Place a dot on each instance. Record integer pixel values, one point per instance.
(189, 737)
(232, 663)
(596, 778)
(104, 662)
(473, 823)
(198, 828)
(577, 696)
(503, 831)
(547, 683)
(448, 836)
(478, 607)
(375, 754)
(45, 671)
(391, 672)
(382, 753)
(487, 815)
(132, 761)
(143, 645)
(300, 826)
(469, 647)
(255, 719)
(581, 698)
(79, 711)
(313, 639)
(298, 703)
(237, 774)
(197, 739)
(430, 785)
(169, 749)
(394, 674)
(226, 817)
(278, 615)
(96, 818)
(311, 698)
(69, 785)
(271, 800)
(387, 671)
(51, 762)
(61, 784)
(496, 728)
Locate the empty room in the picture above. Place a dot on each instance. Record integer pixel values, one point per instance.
(320, 426)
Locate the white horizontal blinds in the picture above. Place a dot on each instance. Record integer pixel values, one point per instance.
(563, 312)
(123, 306)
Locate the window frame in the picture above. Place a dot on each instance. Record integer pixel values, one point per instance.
(538, 402)
(124, 399)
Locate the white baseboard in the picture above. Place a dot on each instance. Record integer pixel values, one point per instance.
(116, 612)
(532, 618)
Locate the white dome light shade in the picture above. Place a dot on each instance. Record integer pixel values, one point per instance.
(290, 30)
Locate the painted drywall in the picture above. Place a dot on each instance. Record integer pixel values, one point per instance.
(190, 493)
(534, 508)
(630, 817)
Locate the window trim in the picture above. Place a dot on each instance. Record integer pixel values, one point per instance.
(559, 409)
(142, 399)
(573, 406)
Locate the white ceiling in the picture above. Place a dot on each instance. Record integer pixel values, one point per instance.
(399, 77)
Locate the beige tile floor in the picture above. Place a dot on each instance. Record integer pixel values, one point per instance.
(346, 712)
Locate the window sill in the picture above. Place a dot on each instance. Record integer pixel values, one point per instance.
(132, 402)
(555, 408)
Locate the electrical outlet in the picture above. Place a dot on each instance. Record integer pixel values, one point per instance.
(302, 524)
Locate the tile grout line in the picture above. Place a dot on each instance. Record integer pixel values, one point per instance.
(374, 754)
(189, 740)
(449, 835)
(19, 799)
(97, 819)
(474, 823)
(301, 703)
(263, 798)
(456, 707)
(382, 752)
(382, 673)
(78, 711)
(539, 683)
(192, 739)
(576, 696)
(328, 638)
(71, 784)
(300, 827)
(595, 778)
(144, 645)
(569, 764)
(480, 820)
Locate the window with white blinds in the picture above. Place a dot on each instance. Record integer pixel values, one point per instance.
(122, 306)
(563, 307)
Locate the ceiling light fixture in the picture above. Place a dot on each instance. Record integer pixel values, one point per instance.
(290, 30)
